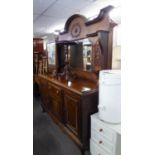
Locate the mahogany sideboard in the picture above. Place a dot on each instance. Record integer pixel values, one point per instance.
(70, 105)
(70, 92)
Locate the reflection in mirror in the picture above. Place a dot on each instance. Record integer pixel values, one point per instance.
(51, 53)
(87, 54)
(80, 55)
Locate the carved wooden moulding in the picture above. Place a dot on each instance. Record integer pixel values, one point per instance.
(78, 26)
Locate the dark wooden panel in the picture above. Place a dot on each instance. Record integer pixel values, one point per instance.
(55, 100)
(44, 93)
(71, 108)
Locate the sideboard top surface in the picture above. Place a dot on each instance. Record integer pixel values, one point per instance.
(78, 86)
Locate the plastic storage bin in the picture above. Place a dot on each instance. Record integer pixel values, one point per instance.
(110, 96)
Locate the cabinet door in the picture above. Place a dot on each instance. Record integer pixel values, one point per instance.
(44, 92)
(71, 109)
(55, 100)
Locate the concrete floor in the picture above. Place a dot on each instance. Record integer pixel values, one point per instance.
(48, 139)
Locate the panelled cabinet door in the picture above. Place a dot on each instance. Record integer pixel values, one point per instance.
(55, 100)
(44, 92)
(71, 107)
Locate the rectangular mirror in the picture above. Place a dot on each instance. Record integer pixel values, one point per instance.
(80, 55)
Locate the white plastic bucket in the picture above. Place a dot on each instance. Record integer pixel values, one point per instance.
(110, 96)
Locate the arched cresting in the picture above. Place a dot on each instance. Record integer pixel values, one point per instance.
(70, 19)
(101, 22)
(103, 14)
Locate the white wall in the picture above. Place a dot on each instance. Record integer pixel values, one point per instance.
(116, 60)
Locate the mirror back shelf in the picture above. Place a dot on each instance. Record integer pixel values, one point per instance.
(85, 47)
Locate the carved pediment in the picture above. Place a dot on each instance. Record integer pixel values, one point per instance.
(78, 26)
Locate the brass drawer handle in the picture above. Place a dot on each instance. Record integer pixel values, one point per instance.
(57, 92)
(100, 142)
(101, 130)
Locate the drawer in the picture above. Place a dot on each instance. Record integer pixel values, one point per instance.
(95, 150)
(109, 134)
(102, 142)
(54, 91)
(43, 81)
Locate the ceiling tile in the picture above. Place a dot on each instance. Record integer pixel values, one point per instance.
(44, 21)
(73, 3)
(46, 24)
(64, 8)
(41, 5)
(35, 16)
(59, 10)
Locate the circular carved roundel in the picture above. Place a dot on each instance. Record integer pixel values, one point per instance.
(75, 30)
